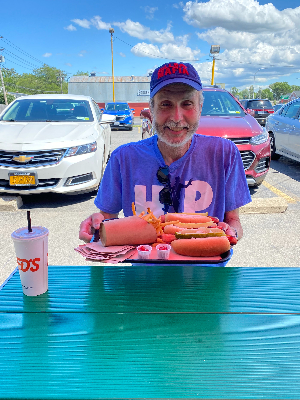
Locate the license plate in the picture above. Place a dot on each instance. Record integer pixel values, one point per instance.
(261, 112)
(116, 123)
(22, 179)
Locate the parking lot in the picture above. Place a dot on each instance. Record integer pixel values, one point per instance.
(270, 239)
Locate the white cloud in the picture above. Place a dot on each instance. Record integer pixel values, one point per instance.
(70, 28)
(168, 51)
(99, 24)
(84, 23)
(68, 64)
(142, 32)
(150, 11)
(47, 55)
(82, 53)
(122, 54)
(240, 15)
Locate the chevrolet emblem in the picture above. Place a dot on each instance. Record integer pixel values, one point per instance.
(22, 159)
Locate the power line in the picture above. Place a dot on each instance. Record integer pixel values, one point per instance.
(19, 49)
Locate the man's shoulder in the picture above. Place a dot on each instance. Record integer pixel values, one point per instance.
(216, 141)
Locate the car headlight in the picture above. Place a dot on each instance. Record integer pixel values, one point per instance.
(83, 149)
(262, 138)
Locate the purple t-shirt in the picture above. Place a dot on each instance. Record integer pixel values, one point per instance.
(213, 164)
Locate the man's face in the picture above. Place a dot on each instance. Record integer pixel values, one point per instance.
(176, 114)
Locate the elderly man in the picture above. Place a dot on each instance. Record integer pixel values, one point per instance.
(175, 170)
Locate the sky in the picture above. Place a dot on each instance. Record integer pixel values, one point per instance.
(259, 40)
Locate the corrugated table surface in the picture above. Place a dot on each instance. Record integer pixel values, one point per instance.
(140, 332)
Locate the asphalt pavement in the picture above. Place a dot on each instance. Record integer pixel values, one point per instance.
(271, 231)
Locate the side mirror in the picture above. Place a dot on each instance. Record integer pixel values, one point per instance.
(107, 118)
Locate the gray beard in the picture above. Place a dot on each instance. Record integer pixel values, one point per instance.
(159, 130)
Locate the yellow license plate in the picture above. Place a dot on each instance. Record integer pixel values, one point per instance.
(22, 180)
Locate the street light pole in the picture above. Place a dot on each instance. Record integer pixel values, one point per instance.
(111, 31)
(214, 49)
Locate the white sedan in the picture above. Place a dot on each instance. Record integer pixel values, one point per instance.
(53, 143)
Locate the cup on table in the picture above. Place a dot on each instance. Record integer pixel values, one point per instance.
(144, 251)
(163, 251)
(32, 257)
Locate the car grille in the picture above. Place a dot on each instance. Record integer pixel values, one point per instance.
(240, 140)
(40, 158)
(262, 165)
(43, 183)
(248, 158)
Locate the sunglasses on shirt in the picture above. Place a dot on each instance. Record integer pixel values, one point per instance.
(163, 177)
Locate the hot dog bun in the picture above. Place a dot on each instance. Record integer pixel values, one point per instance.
(129, 230)
(204, 247)
(187, 218)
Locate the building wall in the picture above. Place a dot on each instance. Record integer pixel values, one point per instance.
(134, 90)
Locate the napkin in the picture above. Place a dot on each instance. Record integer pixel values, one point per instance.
(97, 252)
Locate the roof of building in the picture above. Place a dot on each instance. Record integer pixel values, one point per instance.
(99, 79)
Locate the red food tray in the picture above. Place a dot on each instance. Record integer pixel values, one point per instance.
(178, 259)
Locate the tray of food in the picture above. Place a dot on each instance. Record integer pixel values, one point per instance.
(171, 238)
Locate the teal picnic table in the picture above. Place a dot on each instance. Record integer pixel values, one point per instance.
(152, 332)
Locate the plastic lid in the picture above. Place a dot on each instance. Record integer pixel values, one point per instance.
(23, 234)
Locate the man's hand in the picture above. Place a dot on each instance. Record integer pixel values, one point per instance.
(88, 226)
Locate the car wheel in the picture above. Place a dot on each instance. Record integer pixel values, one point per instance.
(274, 156)
(130, 129)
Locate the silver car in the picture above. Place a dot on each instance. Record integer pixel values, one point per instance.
(284, 131)
(53, 143)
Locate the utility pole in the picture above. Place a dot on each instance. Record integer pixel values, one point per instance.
(111, 31)
(2, 59)
(60, 78)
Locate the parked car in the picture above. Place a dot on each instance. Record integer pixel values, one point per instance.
(222, 115)
(53, 143)
(284, 130)
(277, 107)
(260, 109)
(124, 115)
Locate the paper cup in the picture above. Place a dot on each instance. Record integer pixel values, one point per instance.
(163, 251)
(144, 251)
(32, 258)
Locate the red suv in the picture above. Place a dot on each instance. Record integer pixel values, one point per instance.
(222, 115)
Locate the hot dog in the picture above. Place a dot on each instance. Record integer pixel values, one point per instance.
(188, 218)
(201, 247)
(130, 230)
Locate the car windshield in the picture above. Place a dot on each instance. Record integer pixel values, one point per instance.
(117, 107)
(220, 103)
(259, 104)
(40, 110)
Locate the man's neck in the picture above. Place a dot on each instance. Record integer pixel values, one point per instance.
(171, 154)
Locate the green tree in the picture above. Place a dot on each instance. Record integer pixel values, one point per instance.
(244, 94)
(81, 73)
(267, 94)
(294, 88)
(9, 98)
(280, 89)
(234, 91)
(45, 79)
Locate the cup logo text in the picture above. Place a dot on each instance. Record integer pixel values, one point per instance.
(25, 265)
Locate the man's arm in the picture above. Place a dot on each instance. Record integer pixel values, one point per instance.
(232, 219)
(88, 226)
